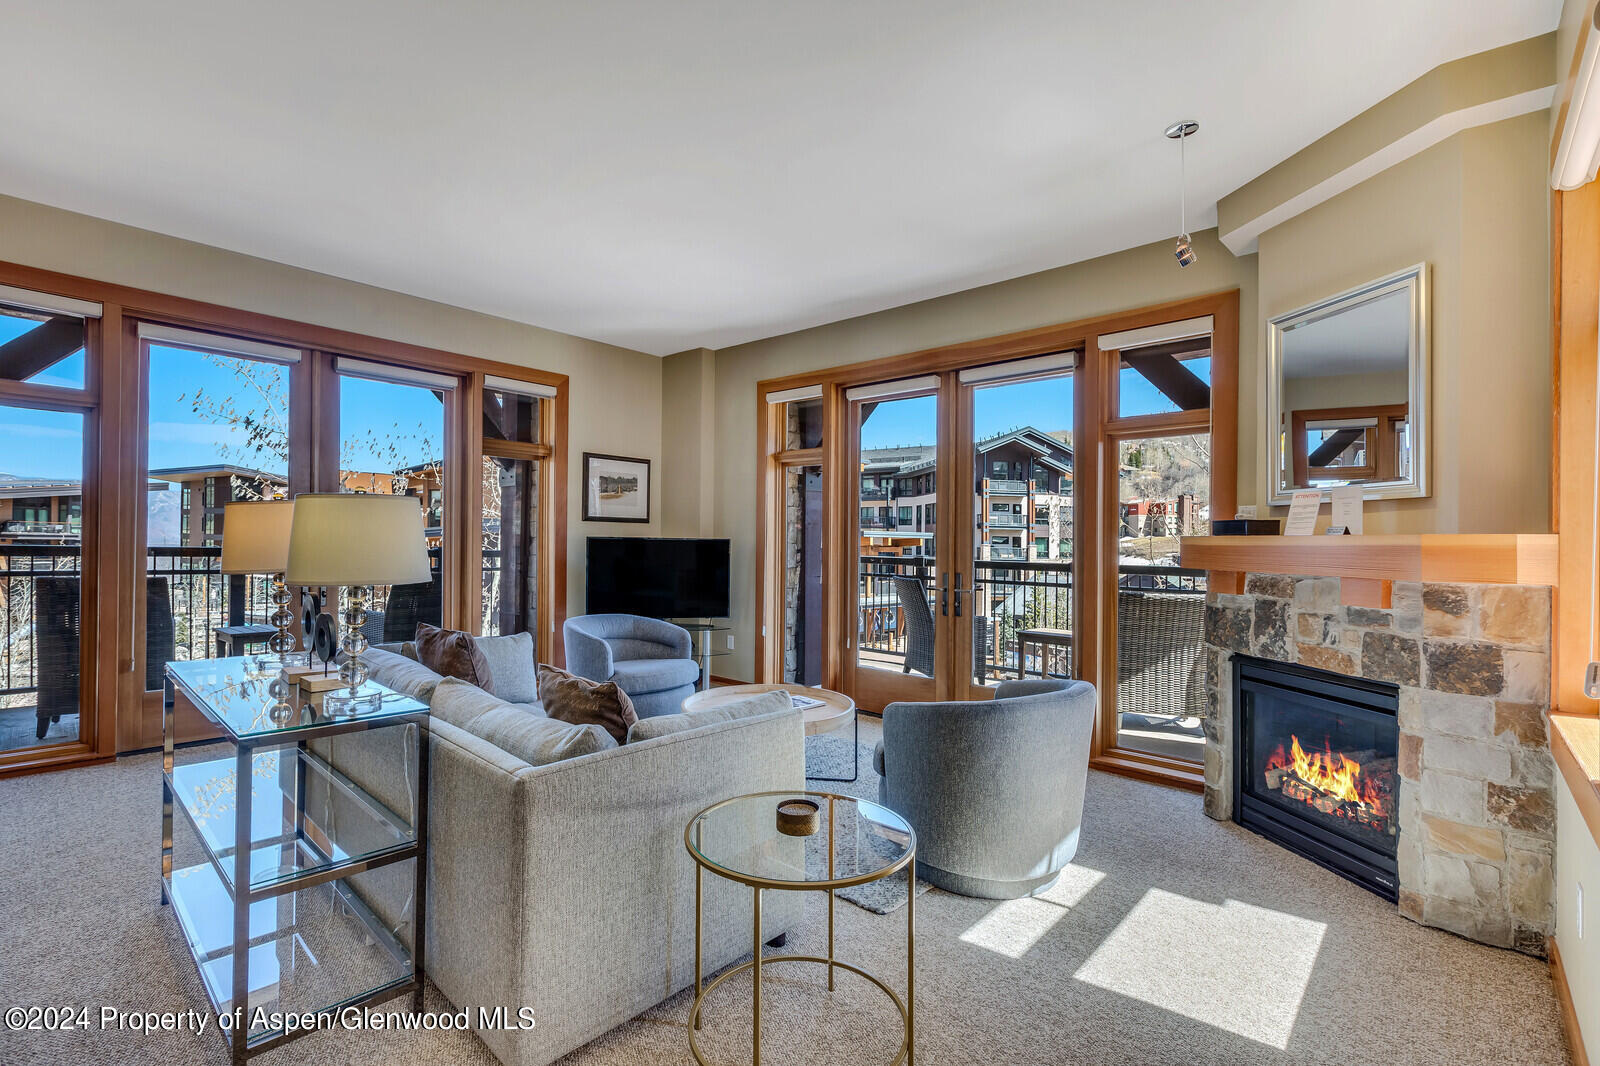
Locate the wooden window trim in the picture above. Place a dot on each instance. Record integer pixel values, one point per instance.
(113, 684)
(1381, 454)
(1095, 426)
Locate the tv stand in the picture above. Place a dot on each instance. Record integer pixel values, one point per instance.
(701, 632)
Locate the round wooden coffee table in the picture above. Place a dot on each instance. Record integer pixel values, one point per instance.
(834, 710)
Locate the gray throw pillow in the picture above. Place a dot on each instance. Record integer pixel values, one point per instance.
(401, 674)
(747, 707)
(518, 731)
(512, 665)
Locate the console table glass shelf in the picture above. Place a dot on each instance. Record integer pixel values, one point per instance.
(291, 936)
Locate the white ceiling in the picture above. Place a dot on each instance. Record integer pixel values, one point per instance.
(671, 175)
(1370, 338)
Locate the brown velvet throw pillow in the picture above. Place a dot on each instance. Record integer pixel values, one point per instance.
(452, 653)
(578, 700)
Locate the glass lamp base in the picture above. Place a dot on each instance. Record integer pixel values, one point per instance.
(341, 703)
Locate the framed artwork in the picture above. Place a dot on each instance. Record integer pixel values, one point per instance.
(615, 488)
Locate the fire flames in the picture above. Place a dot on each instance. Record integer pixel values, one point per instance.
(1333, 774)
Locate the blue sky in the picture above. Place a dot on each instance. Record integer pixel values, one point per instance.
(1045, 405)
(50, 444)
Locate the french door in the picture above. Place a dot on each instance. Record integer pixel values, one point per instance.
(963, 532)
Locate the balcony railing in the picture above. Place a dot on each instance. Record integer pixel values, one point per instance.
(1002, 551)
(187, 600)
(1007, 521)
(1006, 598)
(1003, 487)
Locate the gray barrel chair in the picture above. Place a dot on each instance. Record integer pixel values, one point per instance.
(649, 659)
(994, 788)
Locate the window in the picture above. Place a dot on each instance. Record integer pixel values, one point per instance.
(53, 353)
(211, 493)
(32, 509)
(905, 514)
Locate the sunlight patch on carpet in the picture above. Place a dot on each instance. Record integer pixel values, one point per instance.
(1237, 967)
(1015, 925)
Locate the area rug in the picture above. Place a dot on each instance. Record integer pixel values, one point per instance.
(829, 756)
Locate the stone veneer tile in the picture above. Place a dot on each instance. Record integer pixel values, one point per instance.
(1457, 715)
(1457, 839)
(1527, 675)
(1228, 627)
(1326, 659)
(1405, 605)
(1313, 628)
(1269, 630)
(1391, 657)
(1446, 610)
(1473, 669)
(1460, 799)
(1317, 594)
(1531, 810)
(1524, 721)
(1410, 756)
(1482, 759)
(1371, 617)
(1515, 614)
(1278, 586)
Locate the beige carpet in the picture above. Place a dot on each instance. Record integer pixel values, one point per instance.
(1172, 939)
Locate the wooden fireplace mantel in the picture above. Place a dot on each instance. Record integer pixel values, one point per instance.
(1369, 564)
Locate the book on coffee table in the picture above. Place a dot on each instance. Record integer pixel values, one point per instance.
(804, 703)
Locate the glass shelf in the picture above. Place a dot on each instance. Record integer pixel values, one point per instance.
(310, 950)
(363, 832)
(234, 693)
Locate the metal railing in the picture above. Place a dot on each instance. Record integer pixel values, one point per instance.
(1001, 551)
(186, 583)
(1008, 488)
(1006, 598)
(1007, 521)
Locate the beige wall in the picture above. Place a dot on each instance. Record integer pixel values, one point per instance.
(1129, 279)
(1343, 390)
(688, 443)
(1475, 208)
(616, 393)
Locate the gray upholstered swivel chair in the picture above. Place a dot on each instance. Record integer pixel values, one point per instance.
(994, 788)
(649, 659)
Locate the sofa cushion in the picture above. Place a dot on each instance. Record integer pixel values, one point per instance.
(512, 666)
(654, 675)
(401, 674)
(733, 710)
(528, 735)
(580, 701)
(452, 653)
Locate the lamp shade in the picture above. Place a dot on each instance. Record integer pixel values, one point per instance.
(356, 539)
(255, 536)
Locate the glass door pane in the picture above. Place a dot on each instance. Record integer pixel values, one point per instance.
(802, 575)
(218, 431)
(391, 440)
(41, 523)
(1163, 494)
(1022, 521)
(510, 545)
(897, 510)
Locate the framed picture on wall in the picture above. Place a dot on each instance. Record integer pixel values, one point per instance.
(615, 488)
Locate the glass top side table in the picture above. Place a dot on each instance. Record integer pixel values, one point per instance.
(853, 841)
(268, 916)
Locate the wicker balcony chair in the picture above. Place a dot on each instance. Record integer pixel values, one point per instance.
(57, 629)
(409, 605)
(919, 631)
(1160, 662)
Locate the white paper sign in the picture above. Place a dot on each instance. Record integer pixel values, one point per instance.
(1303, 509)
(1347, 508)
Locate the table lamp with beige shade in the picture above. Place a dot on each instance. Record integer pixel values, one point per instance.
(355, 541)
(255, 540)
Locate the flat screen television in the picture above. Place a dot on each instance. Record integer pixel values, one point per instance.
(658, 577)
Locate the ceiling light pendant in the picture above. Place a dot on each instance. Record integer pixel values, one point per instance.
(1181, 132)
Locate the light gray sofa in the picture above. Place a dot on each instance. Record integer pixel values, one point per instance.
(651, 660)
(565, 887)
(994, 788)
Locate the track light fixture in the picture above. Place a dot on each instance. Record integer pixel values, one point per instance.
(1181, 132)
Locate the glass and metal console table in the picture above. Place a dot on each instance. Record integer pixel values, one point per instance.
(701, 635)
(269, 917)
(854, 842)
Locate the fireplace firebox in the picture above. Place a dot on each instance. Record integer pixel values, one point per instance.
(1316, 767)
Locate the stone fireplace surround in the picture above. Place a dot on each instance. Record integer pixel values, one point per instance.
(1472, 662)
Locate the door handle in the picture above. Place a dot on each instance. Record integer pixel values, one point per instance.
(958, 591)
(944, 597)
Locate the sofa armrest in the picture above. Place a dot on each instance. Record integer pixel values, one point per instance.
(674, 640)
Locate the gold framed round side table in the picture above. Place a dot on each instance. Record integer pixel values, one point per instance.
(825, 712)
(855, 841)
